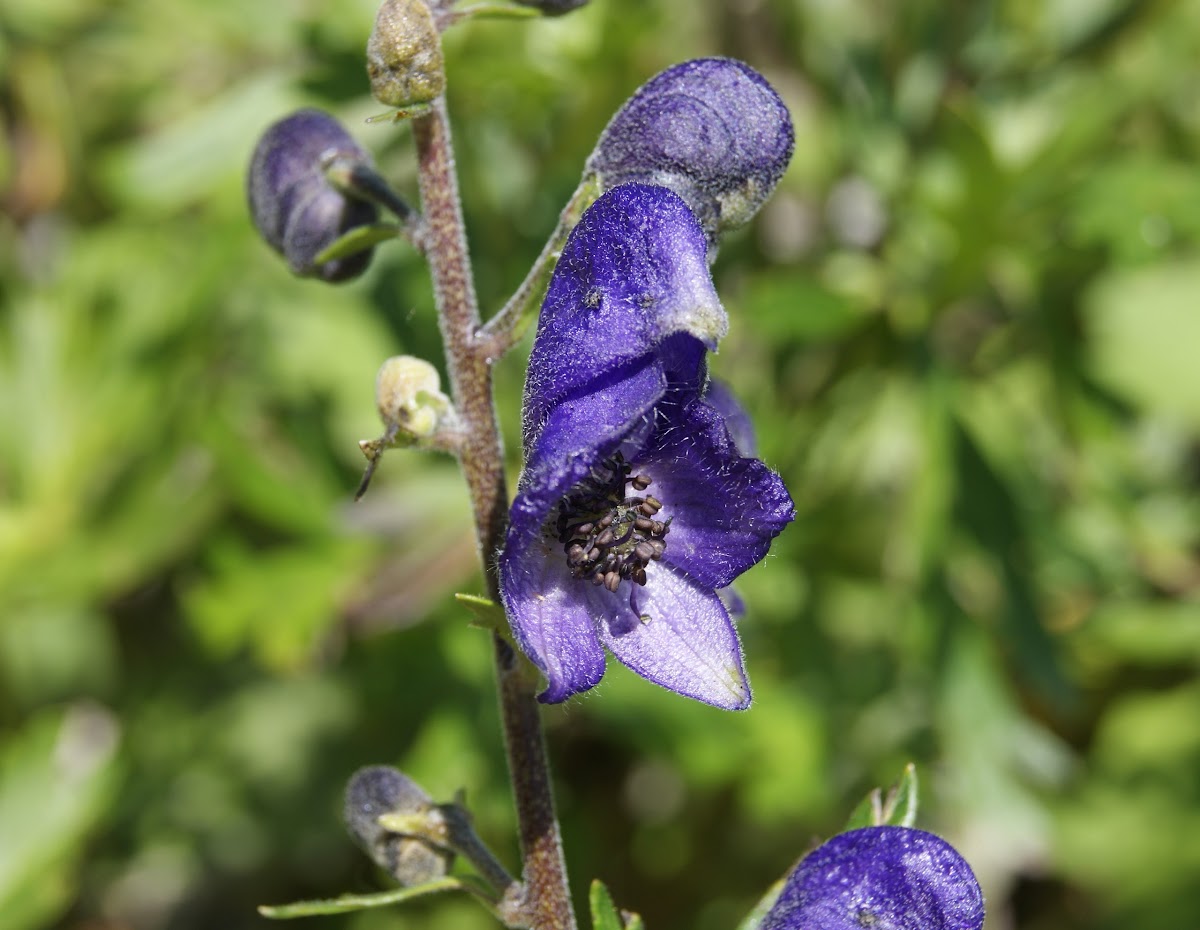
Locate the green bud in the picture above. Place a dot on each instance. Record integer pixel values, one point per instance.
(409, 397)
(414, 411)
(404, 54)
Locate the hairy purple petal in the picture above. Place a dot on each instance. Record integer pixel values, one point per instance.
(717, 394)
(734, 603)
(885, 878)
(294, 207)
(725, 509)
(633, 272)
(713, 130)
(553, 619)
(680, 637)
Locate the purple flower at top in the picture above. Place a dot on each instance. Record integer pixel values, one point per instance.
(295, 208)
(713, 130)
(884, 878)
(635, 505)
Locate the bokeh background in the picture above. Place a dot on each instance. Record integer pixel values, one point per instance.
(968, 328)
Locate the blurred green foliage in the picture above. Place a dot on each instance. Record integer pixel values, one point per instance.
(966, 325)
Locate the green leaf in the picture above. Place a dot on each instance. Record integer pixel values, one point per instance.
(1144, 330)
(605, 915)
(488, 614)
(868, 813)
(898, 808)
(57, 777)
(358, 239)
(604, 912)
(358, 902)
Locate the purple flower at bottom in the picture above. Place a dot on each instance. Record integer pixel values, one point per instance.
(635, 505)
(883, 878)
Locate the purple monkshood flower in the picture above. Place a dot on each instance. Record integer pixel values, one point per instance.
(885, 878)
(713, 130)
(635, 505)
(294, 206)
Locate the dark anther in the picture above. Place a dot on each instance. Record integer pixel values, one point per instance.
(608, 536)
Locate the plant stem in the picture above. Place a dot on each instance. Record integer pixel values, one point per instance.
(503, 330)
(548, 900)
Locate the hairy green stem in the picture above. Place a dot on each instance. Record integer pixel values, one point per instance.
(547, 904)
(503, 330)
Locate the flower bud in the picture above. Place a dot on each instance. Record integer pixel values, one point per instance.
(379, 793)
(409, 397)
(404, 54)
(413, 409)
(292, 203)
(713, 130)
(896, 878)
(554, 7)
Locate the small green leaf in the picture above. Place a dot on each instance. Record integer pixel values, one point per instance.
(898, 808)
(488, 614)
(358, 902)
(356, 240)
(754, 919)
(604, 912)
(868, 813)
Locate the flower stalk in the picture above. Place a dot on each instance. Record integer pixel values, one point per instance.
(503, 330)
(547, 902)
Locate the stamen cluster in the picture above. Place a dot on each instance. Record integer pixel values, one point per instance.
(607, 534)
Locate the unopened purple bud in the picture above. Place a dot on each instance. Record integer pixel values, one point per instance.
(713, 130)
(294, 206)
(554, 7)
(378, 791)
(885, 878)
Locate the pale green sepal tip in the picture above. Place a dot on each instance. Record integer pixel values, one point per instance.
(706, 321)
(406, 824)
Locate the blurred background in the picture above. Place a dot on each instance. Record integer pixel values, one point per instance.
(968, 329)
